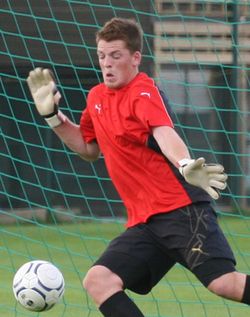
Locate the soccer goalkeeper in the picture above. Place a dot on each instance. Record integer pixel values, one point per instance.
(167, 194)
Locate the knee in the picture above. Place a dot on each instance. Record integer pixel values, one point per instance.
(230, 286)
(90, 280)
(100, 283)
(94, 279)
(218, 287)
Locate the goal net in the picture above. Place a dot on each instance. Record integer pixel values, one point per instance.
(55, 206)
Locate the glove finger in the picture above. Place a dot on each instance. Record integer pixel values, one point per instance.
(219, 177)
(213, 192)
(35, 77)
(217, 184)
(31, 85)
(38, 73)
(47, 76)
(31, 80)
(214, 168)
(41, 77)
(196, 164)
(50, 80)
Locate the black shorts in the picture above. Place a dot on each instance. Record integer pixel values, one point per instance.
(191, 236)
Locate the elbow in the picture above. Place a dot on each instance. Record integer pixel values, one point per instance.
(90, 157)
(90, 152)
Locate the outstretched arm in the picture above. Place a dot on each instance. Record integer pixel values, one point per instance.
(171, 145)
(210, 177)
(46, 98)
(70, 134)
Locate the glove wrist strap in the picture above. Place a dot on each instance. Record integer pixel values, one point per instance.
(184, 162)
(56, 120)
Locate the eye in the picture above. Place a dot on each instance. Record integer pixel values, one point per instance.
(100, 55)
(116, 55)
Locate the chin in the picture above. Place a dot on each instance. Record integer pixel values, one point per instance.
(112, 85)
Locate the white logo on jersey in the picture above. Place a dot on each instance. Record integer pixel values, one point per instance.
(98, 107)
(146, 94)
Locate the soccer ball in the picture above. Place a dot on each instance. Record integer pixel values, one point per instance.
(38, 285)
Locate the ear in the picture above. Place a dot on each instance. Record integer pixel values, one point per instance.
(137, 58)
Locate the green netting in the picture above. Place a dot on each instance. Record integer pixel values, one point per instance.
(57, 207)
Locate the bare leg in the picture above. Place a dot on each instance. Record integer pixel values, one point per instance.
(106, 289)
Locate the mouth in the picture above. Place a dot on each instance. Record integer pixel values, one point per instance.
(110, 77)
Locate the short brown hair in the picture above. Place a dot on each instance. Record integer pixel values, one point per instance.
(126, 30)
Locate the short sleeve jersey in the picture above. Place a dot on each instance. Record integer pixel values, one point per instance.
(121, 121)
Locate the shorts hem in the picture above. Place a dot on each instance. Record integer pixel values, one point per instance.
(213, 269)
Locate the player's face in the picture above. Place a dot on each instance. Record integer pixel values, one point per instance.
(118, 65)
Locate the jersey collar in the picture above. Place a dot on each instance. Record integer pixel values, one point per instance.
(126, 87)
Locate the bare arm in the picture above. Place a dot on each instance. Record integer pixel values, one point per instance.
(171, 145)
(209, 177)
(70, 134)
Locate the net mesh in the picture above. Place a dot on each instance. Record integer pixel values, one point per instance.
(55, 206)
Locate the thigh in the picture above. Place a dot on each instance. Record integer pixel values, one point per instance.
(194, 238)
(135, 257)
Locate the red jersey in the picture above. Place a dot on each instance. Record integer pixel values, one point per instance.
(121, 122)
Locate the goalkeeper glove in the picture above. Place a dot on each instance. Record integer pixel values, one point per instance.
(45, 95)
(210, 177)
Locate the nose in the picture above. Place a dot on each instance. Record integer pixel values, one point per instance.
(107, 62)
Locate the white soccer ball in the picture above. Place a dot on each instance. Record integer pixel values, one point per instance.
(38, 285)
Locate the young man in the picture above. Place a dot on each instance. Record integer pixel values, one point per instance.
(167, 194)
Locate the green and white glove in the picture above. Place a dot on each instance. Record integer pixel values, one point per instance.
(45, 95)
(210, 177)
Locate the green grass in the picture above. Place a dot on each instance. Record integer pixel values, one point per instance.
(74, 247)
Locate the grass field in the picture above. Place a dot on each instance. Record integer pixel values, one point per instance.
(73, 247)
